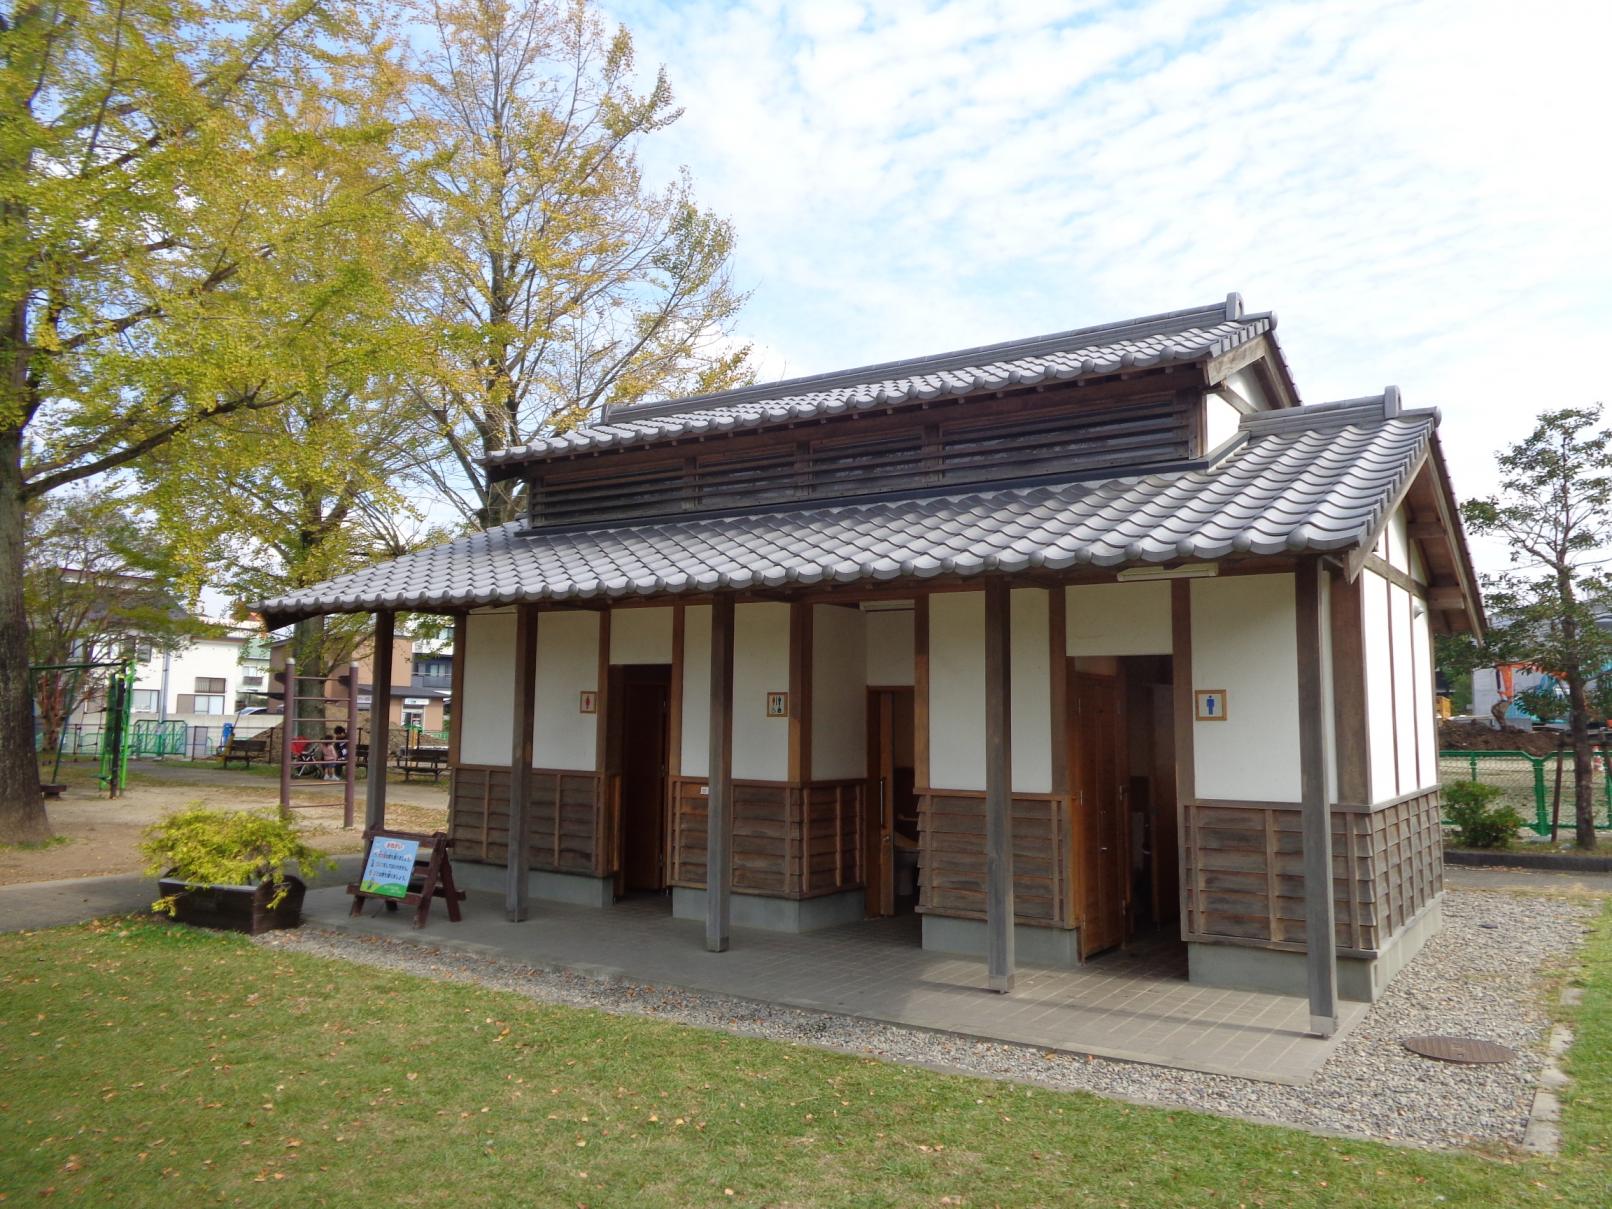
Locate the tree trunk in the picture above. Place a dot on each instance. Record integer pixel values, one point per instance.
(1583, 762)
(22, 806)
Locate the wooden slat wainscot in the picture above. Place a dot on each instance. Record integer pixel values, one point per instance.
(789, 841)
(565, 819)
(1244, 872)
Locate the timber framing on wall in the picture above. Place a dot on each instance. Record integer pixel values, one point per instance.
(1350, 704)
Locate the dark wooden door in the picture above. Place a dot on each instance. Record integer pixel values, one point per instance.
(645, 714)
(892, 805)
(1097, 773)
(879, 857)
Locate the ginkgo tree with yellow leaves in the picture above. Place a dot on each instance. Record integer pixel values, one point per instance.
(158, 171)
(562, 281)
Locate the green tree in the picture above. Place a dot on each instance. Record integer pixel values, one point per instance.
(562, 282)
(155, 167)
(97, 583)
(1555, 512)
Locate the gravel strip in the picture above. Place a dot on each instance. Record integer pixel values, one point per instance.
(1481, 976)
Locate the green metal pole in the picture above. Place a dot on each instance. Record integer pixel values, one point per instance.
(1541, 815)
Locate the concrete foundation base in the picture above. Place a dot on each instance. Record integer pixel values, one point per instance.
(1034, 946)
(573, 888)
(777, 914)
(1362, 979)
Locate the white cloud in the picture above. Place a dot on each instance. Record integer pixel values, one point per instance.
(1418, 187)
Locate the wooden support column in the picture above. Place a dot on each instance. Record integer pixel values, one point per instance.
(523, 718)
(719, 807)
(1320, 936)
(998, 785)
(380, 720)
(1349, 703)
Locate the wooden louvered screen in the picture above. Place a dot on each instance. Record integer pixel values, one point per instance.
(1070, 440)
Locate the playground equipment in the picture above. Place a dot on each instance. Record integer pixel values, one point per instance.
(298, 749)
(114, 742)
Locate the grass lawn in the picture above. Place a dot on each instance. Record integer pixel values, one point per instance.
(142, 1064)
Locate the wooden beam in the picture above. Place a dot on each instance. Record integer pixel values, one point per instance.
(674, 738)
(920, 692)
(1349, 703)
(1399, 579)
(800, 693)
(719, 816)
(1058, 673)
(456, 695)
(523, 718)
(1320, 935)
(380, 718)
(998, 784)
(1186, 785)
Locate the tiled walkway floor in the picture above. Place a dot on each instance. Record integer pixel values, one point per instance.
(1134, 1005)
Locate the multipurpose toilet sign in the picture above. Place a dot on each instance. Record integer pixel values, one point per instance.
(1210, 704)
(389, 867)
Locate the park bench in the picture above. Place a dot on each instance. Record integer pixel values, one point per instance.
(411, 760)
(245, 750)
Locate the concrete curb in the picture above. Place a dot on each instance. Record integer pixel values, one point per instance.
(1543, 1134)
(1560, 862)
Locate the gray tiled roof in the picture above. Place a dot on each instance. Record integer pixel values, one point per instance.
(1178, 337)
(1307, 479)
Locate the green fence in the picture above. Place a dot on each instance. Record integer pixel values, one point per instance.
(1529, 782)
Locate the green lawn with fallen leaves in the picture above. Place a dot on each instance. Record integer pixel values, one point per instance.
(149, 1064)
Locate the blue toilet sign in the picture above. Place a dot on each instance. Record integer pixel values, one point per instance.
(1211, 704)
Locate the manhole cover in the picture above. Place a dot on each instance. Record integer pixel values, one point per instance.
(1459, 1049)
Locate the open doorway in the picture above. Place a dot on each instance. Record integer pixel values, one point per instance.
(640, 705)
(892, 805)
(1122, 779)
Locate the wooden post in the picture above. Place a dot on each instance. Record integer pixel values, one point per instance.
(998, 786)
(523, 719)
(380, 721)
(349, 769)
(719, 808)
(1320, 936)
(290, 720)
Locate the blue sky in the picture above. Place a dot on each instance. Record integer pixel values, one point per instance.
(1418, 188)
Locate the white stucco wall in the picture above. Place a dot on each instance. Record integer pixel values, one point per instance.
(839, 692)
(567, 665)
(957, 690)
(1379, 685)
(1245, 642)
(1405, 720)
(1031, 691)
(1118, 619)
(1427, 747)
(1220, 421)
(641, 635)
(485, 713)
(889, 647)
(1246, 383)
(696, 754)
(1397, 544)
(760, 666)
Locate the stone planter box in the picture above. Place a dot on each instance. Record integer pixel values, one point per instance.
(236, 908)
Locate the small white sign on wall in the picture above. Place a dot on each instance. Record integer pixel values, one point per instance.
(1209, 704)
(777, 705)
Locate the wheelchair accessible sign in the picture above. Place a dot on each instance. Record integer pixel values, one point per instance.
(389, 867)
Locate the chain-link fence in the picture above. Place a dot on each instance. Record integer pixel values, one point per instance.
(1528, 783)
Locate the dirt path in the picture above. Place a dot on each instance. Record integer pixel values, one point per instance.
(99, 836)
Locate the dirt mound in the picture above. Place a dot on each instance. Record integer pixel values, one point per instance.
(1480, 736)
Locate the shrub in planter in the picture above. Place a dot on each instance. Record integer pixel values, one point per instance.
(1479, 821)
(229, 868)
